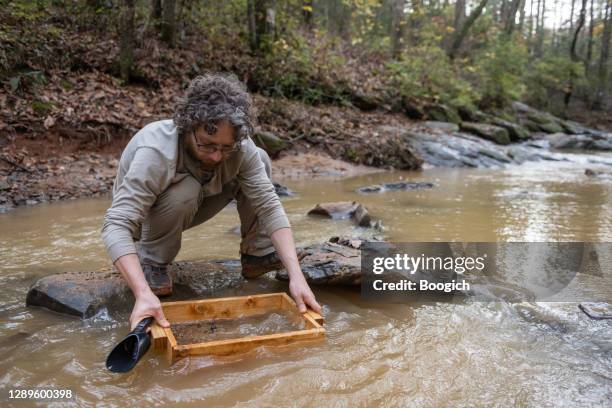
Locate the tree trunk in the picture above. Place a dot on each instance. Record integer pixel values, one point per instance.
(397, 32)
(574, 55)
(156, 13)
(511, 11)
(602, 85)
(262, 24)
(251, 25)
(307, 14)
(459, 14)
(168, 26)
(589, 55)
(461, 34)
(126, 39)
(521, 25)
(540, 28)
(571, 19)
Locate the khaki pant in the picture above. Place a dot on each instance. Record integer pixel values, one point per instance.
(182, 206)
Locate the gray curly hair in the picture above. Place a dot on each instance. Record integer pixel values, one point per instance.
(213, 98)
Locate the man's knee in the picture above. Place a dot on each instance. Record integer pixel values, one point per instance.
(266, 161)
(178, 202)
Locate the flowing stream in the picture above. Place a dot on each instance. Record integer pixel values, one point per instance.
(421, 354)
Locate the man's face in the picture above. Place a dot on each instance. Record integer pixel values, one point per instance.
(211, 150)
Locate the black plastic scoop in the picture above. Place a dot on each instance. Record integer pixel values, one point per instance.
(130, 350)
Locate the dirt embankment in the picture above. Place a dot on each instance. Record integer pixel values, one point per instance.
(33, 172)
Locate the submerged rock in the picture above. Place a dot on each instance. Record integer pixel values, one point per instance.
(283, 191)
(401, 185)
(597, 310)
(342, 210)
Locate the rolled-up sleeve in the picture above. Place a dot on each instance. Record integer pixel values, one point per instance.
(133, 197)
(260, 192)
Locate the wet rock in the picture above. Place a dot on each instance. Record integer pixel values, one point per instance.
(494, 133)
(336, 211)
(330, 264)
(283, 191)
(85, 294)
(516, 131)
(4, 185)
(446, 127)
(597, 310)
(402, 185)
(344, 210)
(584, 141)
(457, 150)
(362, 216)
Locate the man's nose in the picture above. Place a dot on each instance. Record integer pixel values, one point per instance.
(217, 156)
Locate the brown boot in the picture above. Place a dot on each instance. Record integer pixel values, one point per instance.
(255, 266)
(158, 279)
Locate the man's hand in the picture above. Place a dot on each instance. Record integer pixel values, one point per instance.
(301, 293)
(147, 305)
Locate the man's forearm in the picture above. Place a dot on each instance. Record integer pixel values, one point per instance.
(129, 266)
(282, 239)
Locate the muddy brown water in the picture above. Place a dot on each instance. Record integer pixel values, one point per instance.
(421, 354)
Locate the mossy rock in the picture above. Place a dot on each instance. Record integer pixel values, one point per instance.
(494, 133)
(442, 113)
(516, 131)
(551, 127)
(539, 118)
(268, 141)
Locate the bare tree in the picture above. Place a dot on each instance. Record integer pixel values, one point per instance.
(168, 26)
(397, 32)
(156, 12)
(602, 85)
(307, 12)
(126, 39)
(262, 23)
(511, 10)
(569, 90)
(461, 34)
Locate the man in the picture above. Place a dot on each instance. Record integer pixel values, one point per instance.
(176, 174)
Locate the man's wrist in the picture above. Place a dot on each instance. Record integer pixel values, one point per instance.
(143, 291)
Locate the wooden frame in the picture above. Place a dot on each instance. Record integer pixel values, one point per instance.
(163, 339)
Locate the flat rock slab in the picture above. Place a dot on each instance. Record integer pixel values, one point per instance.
(597, 310)
(85, 294)
(331, 264)
(401, 185)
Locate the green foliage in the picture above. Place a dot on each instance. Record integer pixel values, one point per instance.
(425, 73)
(498, 72)
(548, 77)
(302, 68)
(41, 108)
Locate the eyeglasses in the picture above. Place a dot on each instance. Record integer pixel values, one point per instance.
(212, 148)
